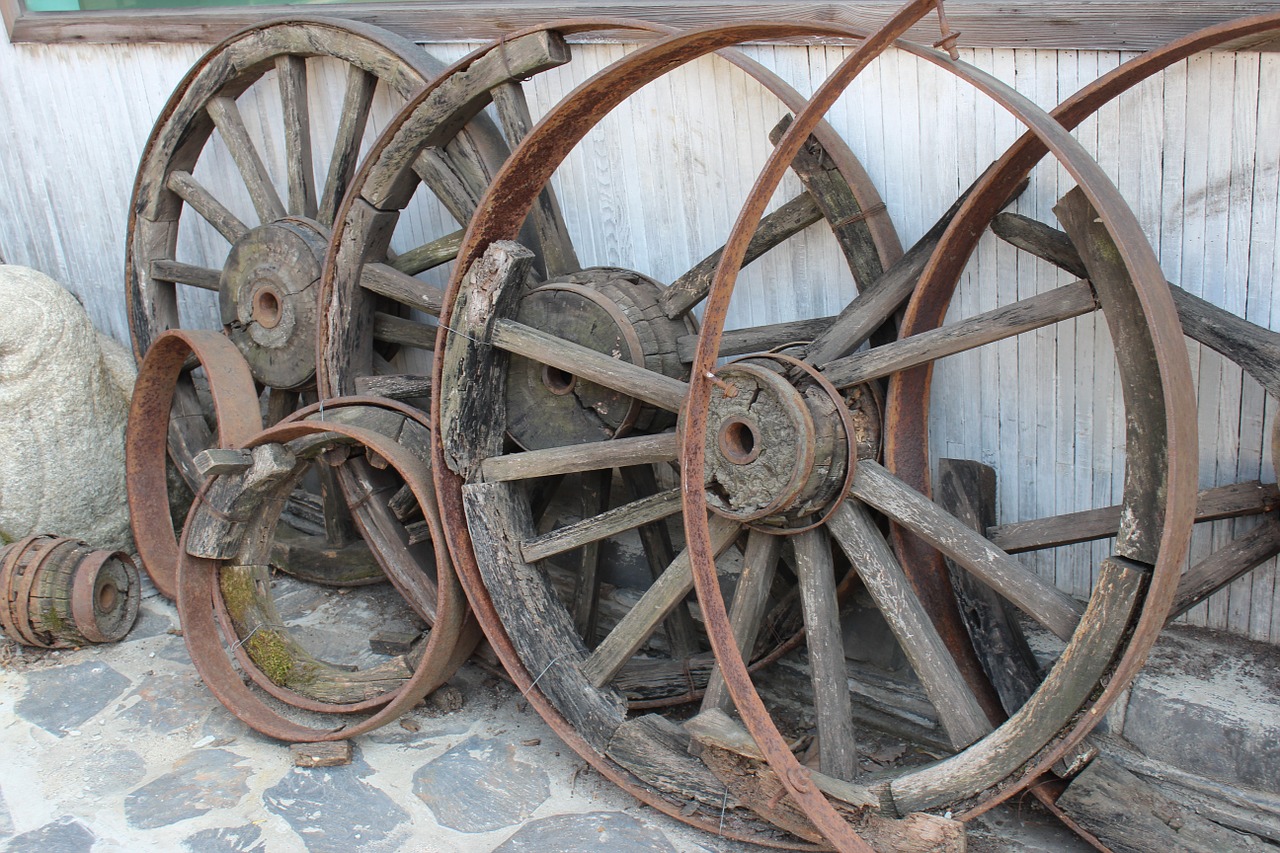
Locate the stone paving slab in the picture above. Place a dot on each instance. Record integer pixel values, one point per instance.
(121, 748)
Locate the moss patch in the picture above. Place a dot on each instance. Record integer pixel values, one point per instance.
(273, 654)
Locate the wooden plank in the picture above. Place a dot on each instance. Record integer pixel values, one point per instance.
(622, 452)
(180, 273)
(204, 203)
(226, 115)
(357, 100)
(785, 222)
(1077, 24)
(1228, 501)
(291, 72)
(584, 362)
(428, 255)
(654, 606)
(398, 330)
(1048, 605)
(958, 710)
(747, 612)
(815, 570)
(655, 537)
(558, 254)
(967, 490)
(602, 526)
(1007, 321)
(1225, 565)
(403, 386)
(405, 289)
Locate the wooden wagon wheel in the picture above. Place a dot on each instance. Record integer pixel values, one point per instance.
(224, 573)
(498, 520)
(257, 240)
(620, 311)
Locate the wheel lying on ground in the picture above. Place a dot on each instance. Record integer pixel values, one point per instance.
(805, 443)
(228, 612)
(239, 247)
(561, 406)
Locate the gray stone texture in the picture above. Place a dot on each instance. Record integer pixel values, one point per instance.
(499, 789)
(200, 782)
(1209, 704)
(58, 700)
(236, 839)
(611, 831)
(62, 836)
(63, 467)
(167, 701)
(334, 810)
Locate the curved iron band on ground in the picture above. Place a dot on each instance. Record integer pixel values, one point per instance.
(198, 585)
(513, 211)
(400, 145)
(151, 419)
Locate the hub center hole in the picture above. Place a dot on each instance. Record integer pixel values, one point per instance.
(558, 382)
(107, 597)
(266, 308)
(739, 441)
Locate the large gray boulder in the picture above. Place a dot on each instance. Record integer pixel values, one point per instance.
(64, 400)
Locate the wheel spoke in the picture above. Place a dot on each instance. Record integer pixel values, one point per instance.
(1225, 565)
(180, 273)
(750, 603)
(356, 102)
(226, 116)
(428, 255)
(292, 74)
(586, 595)
(548, 223)
(1026, 315)
(655, 538)
(435, 169)
(628, 517)
(757, 338)
(202, 202)
(1045, 603)
(837, 747)
(614, 373)
(875, 304)
(405, 289)
(653, 607)
(395, 386)
(1228, 501)
(397, 330)
(961, 715)
(1255, 348)
(785, 222)
(622, 452)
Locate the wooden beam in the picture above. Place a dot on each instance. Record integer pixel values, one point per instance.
(1073, 24)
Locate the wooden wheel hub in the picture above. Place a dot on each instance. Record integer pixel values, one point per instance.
(776, 449)
(612, 311)
(267, 301)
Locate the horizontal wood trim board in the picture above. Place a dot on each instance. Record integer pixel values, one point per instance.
(1077, 25)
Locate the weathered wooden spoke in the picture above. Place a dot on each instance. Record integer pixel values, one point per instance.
(610, 523)
(204, 203)
(637, 450)
(357, 101)
(291, 71)
(428, 255)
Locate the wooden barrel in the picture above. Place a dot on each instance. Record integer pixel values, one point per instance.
(60, 593)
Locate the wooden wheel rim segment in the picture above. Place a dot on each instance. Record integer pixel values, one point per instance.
(235, 406)
(336, 373)
(198, 610)
(499, 222)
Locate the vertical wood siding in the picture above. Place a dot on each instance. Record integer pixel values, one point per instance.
(656, 188)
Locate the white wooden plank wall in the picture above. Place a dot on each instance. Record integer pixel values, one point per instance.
(657, 185)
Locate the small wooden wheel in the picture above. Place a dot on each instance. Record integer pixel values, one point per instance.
(239, 245)
(575, 335)
(224, 577)
(473, 471)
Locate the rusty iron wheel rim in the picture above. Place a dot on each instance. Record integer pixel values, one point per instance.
(445, 649)
(235, 408)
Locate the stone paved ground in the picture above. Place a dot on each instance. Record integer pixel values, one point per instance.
(121, 748)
